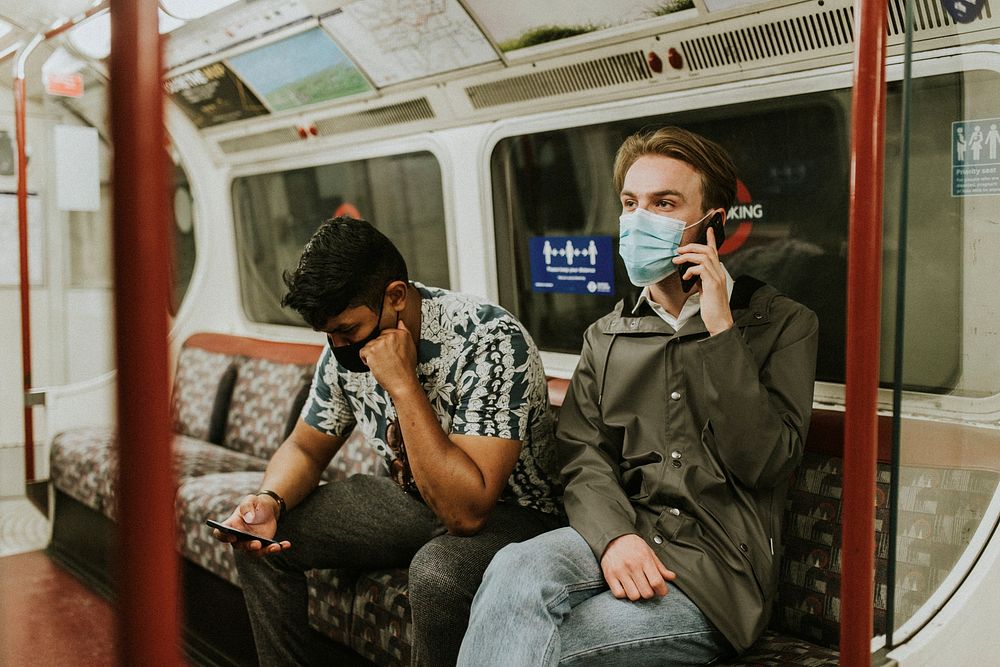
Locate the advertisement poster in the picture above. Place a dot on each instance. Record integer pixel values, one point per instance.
(212, 95)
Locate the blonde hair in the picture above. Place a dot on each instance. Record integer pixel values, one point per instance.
(710, 160)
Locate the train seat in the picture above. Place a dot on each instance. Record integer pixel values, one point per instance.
(234, 399)
(939, 509)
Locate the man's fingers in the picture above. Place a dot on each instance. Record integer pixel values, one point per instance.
(222, 537)
(656, 583)
(667, 574)
(247, 510)
(630, 589)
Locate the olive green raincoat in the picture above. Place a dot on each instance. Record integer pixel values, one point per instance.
(688, 440)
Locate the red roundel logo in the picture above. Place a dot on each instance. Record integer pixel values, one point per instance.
(740, 218)
(348, 209)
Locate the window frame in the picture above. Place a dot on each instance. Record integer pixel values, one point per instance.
(319, 158)
(982, 410)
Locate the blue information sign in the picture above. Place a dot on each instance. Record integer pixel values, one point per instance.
(975, 157)
(572, 264)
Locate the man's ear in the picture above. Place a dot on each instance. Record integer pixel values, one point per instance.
(722, 212)
(397, 291)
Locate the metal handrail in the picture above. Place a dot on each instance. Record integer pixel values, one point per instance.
(148, 612)
(30, 396)
(864, 286)
(20, 115)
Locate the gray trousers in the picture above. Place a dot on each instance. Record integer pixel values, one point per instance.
(367, 523)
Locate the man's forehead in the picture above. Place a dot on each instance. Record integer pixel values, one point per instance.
(346, 318)
(659, 174)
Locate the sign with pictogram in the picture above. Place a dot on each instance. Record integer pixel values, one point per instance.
(572, 264)
(975, 157)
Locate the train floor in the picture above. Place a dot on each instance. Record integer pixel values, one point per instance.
(47, 617)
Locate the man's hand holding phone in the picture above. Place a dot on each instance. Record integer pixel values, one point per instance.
(700, 262)
(254, 517)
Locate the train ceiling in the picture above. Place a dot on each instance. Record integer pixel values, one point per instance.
(254, 74)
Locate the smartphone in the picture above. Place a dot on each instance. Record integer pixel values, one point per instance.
(240, 535)
(715, 222)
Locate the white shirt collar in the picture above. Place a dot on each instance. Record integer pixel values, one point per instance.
(690, 308)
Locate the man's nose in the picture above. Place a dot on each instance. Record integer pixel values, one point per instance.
(338, 340)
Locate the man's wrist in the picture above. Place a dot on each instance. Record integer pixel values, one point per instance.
(407, 390)
(282, 508)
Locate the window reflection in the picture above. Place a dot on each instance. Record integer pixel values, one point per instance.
(277, 213)
(788, 227)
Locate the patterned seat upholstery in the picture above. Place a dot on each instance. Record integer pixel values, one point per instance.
(81, 466)
(938, 511)
(204, 497)
(383, 627)
(85, 466)
(331, 603)
(235, 399)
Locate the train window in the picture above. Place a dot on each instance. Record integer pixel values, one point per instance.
(788, 227)
(183, 233)
(276, 213)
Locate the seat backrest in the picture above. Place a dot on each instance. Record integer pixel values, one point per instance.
(939, 509)
(808, 604)
(268, 389)
(202, 384)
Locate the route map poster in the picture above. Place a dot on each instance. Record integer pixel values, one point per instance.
(401, 40)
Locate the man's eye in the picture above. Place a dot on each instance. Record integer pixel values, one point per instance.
(628, 204)
(664, 203)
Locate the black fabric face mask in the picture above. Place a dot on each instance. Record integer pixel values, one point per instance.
(349, 356)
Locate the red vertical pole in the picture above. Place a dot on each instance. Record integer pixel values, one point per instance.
(147, 563)
(864, 288)
(20, 112)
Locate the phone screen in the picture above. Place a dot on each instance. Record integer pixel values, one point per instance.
(720, 237)
(240, 535)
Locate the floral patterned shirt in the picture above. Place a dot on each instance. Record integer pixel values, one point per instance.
(483, 376)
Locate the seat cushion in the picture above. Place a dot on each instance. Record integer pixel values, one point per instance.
(777, 649)
(808, 604)
(211, 496)
(82, 466)
(356, 457)
(194, 458)
(331, 602)
(383, 626)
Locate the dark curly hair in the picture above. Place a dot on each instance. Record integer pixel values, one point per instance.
(346, 263)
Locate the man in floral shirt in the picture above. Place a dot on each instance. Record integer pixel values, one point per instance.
(450, 391)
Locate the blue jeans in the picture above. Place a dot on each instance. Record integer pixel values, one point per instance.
(545, 602)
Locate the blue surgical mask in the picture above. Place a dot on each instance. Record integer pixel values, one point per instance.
(648, 243)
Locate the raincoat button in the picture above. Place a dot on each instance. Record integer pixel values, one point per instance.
(758, 316)
(744, 548)
(675, 511)
(675, 454)
(634, 323)
(675, 463)
(675, 395)
(657, 539)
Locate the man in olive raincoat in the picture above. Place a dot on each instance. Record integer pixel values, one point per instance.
(685, 416)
